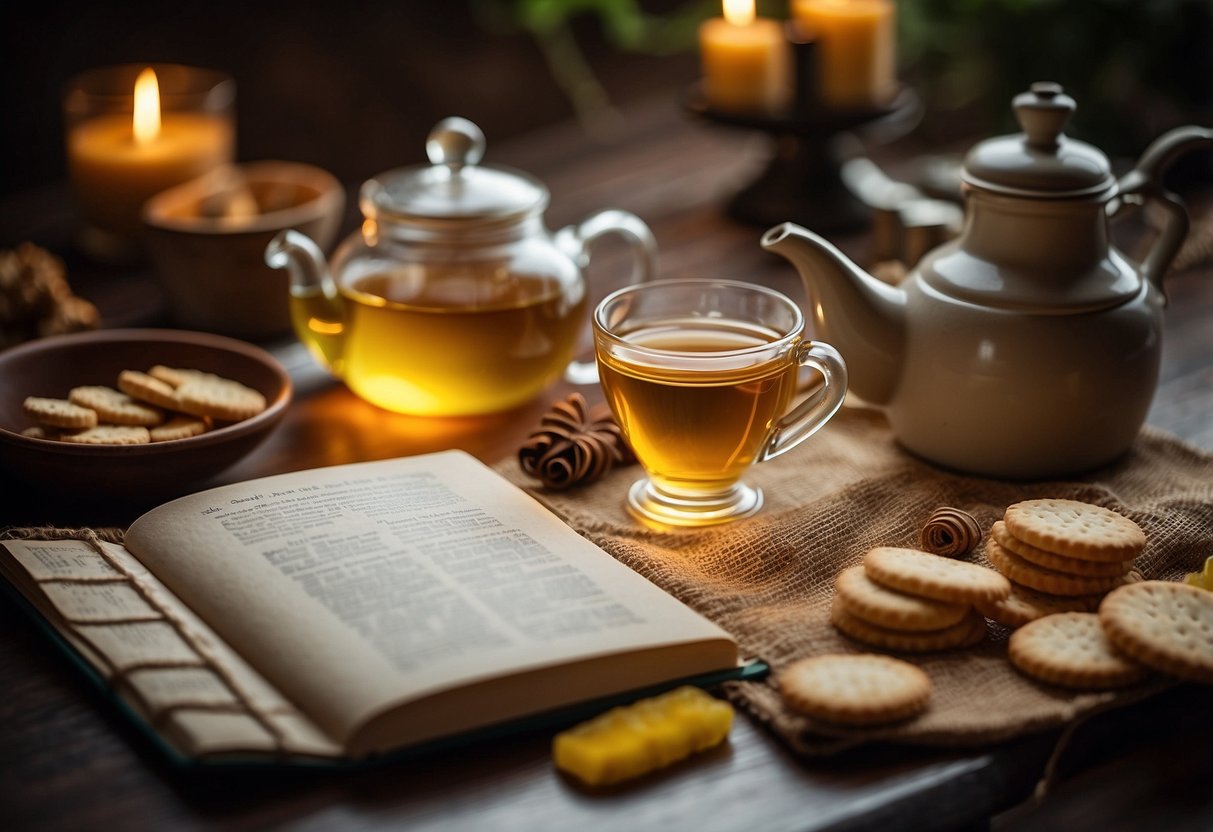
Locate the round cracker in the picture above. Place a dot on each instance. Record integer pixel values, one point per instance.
(143, 387)
(1070, 649)
(933, 576)
(114, 406)
(1055, 562)
(1025, 605)
(970, 630)
(59, 413)
(110, 435)
(222, 399)
(886, 607)
(1164, 625)
(177, 376)
(180, 426)
(1046, 580)
(1076, 530)
(862, 689)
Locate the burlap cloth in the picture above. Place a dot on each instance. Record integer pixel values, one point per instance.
(769, 580)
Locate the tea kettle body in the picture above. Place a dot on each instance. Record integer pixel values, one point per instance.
(1029, 347)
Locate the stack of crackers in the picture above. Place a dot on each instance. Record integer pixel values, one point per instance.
(1060, 556)
(912, 601)
(163, 404)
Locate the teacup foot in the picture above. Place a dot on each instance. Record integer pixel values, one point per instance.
(652, 505)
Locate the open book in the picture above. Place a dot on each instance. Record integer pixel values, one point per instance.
(352, 611)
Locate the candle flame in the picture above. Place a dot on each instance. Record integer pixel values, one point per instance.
(147, 107)
(739, 12)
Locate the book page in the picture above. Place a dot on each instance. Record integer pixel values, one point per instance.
(358, 587)
(166, 664)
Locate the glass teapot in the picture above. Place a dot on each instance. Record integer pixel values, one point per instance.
(453, 298)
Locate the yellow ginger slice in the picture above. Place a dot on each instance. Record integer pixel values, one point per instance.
(635, 739)
(1202, 580)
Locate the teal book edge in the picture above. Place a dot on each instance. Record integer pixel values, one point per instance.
(748, 670)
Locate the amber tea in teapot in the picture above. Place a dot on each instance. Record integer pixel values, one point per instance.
(457, 342)
(452, 298)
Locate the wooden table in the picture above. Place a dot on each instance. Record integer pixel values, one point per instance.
(67, 760)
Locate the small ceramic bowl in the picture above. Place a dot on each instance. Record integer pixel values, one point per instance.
(207, 240)
(50, 367)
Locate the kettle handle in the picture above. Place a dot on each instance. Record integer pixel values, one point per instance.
(1144, 182)
(575, 240)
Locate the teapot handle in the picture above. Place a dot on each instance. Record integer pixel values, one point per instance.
(1144, 183)
(575, 241)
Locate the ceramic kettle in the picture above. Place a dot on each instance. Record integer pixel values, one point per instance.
(452, 298)
(1028, 347)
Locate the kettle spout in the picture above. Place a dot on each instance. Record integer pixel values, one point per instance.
(861, 316)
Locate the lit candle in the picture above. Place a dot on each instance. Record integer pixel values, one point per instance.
(745, 61)
(117, 161)
(856, 48)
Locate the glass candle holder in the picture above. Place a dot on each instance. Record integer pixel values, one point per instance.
(124, 144)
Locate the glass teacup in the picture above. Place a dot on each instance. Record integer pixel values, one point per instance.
(701, 376)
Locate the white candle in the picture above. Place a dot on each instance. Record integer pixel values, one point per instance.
(117, 161)
(856, 49)
(744, 59)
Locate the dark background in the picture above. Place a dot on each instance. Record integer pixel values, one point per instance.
(355, 85)
(352, 86)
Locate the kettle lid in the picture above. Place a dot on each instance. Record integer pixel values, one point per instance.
(454, 188)
(1041, 161)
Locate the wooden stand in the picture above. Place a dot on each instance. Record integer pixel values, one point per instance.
(802, 181)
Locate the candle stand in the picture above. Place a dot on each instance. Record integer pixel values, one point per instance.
(802, 182)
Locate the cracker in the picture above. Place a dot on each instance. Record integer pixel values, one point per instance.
(889, 608)
(40, 432)
(1075, 530)
(1024, 605)
(970, 630)
(176, 376)
(933, 576)
(1046, 580)
(1166, 626)
(219, 399)
(1070, 649)
(862, 689)
(59, 413)
(143, 387)
(115, 407)
(110, 435)
(1058, 563)
(181, 426)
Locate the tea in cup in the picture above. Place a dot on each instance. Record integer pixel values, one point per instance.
(701, 376)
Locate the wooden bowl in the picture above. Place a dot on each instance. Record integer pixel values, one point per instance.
(213, 269)
(52, 366)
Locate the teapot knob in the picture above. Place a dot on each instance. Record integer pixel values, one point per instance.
(1042, 113)
(455, 142)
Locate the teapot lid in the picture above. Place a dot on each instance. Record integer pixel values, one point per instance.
(1041, 161)
(454, 188)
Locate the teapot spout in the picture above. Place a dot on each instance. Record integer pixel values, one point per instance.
(303, 259)
(316, 308)
(861, 316)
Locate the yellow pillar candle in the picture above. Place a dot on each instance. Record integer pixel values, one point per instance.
(117, 161)
(745, 61)
(856, 49)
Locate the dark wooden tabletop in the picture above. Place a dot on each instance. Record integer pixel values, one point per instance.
(68, 760)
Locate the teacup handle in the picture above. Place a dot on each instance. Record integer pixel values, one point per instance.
(575, 240)
(808, 416)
